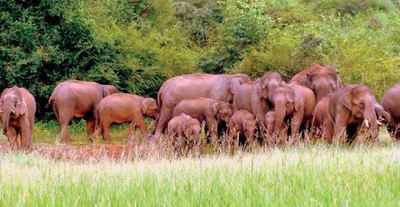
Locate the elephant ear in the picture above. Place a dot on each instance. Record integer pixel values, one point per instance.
(20, 108)
(347, 100)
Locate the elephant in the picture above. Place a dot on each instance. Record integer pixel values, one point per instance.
(350, 109)
(192, 86)
(17, 109)
(391, 104)
(75, 98)
(322, 79)
(242, 122)
(272, 139)
(293, 103)
(242, 95)
(184, 132)
(261, 90)
(124, 108)
(206, 109)
(320, 117)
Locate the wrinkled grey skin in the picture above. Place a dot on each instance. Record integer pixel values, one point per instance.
(192, 86)
(74, 98)
(17, 109)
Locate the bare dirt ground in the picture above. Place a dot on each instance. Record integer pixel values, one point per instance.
(87, 152)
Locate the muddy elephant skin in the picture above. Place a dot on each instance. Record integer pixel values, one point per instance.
(124, 108)
(350, 109)
(293, 103)
(322, 79)
(192, 86)
(242, 122)
(17, 109)
(184, 132)
(205, 109)
(261, 90)
(391, 104)
(74, 98)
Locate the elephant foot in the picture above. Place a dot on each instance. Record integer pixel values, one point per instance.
(66, 141)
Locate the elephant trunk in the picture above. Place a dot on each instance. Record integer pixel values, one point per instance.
(6, 120)
(280, 113)
(322, 91)
(370, 120)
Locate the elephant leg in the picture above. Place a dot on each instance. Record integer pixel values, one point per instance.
(139, 123)
(64, 120)
(165, 116)
(295, 127)
(339, 134)
(26, 137)
(105, 127)
(213, 130)
(90, 126)
(11, 135)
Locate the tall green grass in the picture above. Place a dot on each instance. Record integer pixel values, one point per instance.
(310, 176)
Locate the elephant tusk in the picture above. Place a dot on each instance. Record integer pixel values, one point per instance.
(379, 123)
(366, 123)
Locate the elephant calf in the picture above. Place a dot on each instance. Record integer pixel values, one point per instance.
(184, 132)
(206, 109)
(17, 109)
(242, 122)
(272, 137)
(75, 98)
(124, 108)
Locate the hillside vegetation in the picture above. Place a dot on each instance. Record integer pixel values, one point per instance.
(137, 44)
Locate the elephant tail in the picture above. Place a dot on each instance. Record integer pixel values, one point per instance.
(54, 106)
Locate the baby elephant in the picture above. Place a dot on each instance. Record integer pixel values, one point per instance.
(206, 109)
(242, 122)
(124, 108)
(273, 138)
(184, 133)
(17, 109)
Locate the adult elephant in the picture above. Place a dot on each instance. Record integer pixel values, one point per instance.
(322, 79)
(294, 103)
(350, 109)
(75, 98)
(192, 86)
(17, 109)
(260, 91)
(391, 104)
(241, 92)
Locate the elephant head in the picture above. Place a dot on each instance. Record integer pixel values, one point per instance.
(250, 128)
(283, 100)
(322, 81)
(269, 81)
(12, 105)
(222, 110)
(361, 104)
(108, 90)
(193, 129)
(150, 107)
(383, 116)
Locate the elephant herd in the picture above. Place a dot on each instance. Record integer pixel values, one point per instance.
(313, 105)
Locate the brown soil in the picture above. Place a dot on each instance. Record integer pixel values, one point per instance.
(91, 152)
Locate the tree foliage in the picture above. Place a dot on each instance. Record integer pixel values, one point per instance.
(137, 44)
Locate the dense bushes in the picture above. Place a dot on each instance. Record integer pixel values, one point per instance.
(137, 44)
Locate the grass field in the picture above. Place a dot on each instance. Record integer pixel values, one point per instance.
(302, 176)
